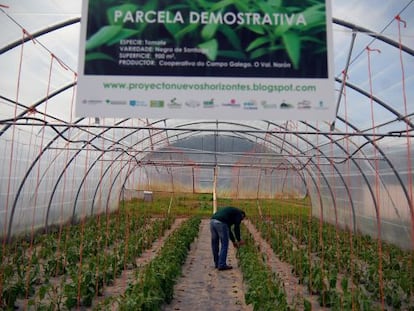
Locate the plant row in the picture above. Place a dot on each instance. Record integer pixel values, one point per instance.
(69, 268)
(265, 291)
(322, 257)
(154, 282)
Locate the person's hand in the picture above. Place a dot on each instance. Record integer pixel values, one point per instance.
(239, 243)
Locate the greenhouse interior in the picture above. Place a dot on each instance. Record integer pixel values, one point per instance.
(84, 198)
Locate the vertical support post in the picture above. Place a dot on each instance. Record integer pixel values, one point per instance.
(193, 179)
(215, 189)
(215, 171)
(344, 79)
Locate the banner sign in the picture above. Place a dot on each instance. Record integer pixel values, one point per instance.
(188, 59)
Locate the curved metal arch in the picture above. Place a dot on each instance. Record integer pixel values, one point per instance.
(26, 176)
(294, 147)
(112, 162)
(323, 175)
(38, 158)
(73, 158)
(131, 170)
(105, 172)
(302, 177)
(365, 95)
(93, 164)
(131, 133)
(373, 34)
(307, 169)
(343, 181)
(348, 84)
(108, 167)
(36, 104)
(67, 165)
(397, 175)
(278, 138)
(365, 177)
(38, 34)
(187, 125)
(334, 20)
(378, 101)
(117, 174)
(90, 168)
(340, 174)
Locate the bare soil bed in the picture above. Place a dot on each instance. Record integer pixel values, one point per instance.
(203, 288)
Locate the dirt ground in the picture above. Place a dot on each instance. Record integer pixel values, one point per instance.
(203, 288)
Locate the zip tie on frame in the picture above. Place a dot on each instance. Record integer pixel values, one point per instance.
(26, 33)
(373, 50)
(345, 74)
(32, 110)
(398, 18)
(59, 61)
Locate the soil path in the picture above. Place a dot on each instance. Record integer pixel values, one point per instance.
(204, 288)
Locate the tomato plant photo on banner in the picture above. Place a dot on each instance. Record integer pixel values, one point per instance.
(226, 38)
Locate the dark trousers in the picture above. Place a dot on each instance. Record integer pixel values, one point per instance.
(219, 235)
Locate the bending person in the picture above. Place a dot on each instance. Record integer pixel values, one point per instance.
(222, 224)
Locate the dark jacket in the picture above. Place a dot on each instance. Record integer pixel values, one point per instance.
(230, 216)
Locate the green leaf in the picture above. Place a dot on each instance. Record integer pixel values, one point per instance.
(43, 291)
(256, 29)
(259, 53)
(222, 4)
(263, 51)
(231, 36)
(205, 5)
(209, 31)
(314, 17)
(211, 47)
(276, 47)
(173, 28)
(104, 35)
(292, 44)
(311, 39)
(242, 6)
(149, 5)
(281, 29)
(275, 3)
(266, 8)
(188, 29)
(110, 13)
(257, 42)
(97, 56)
(307, 305)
